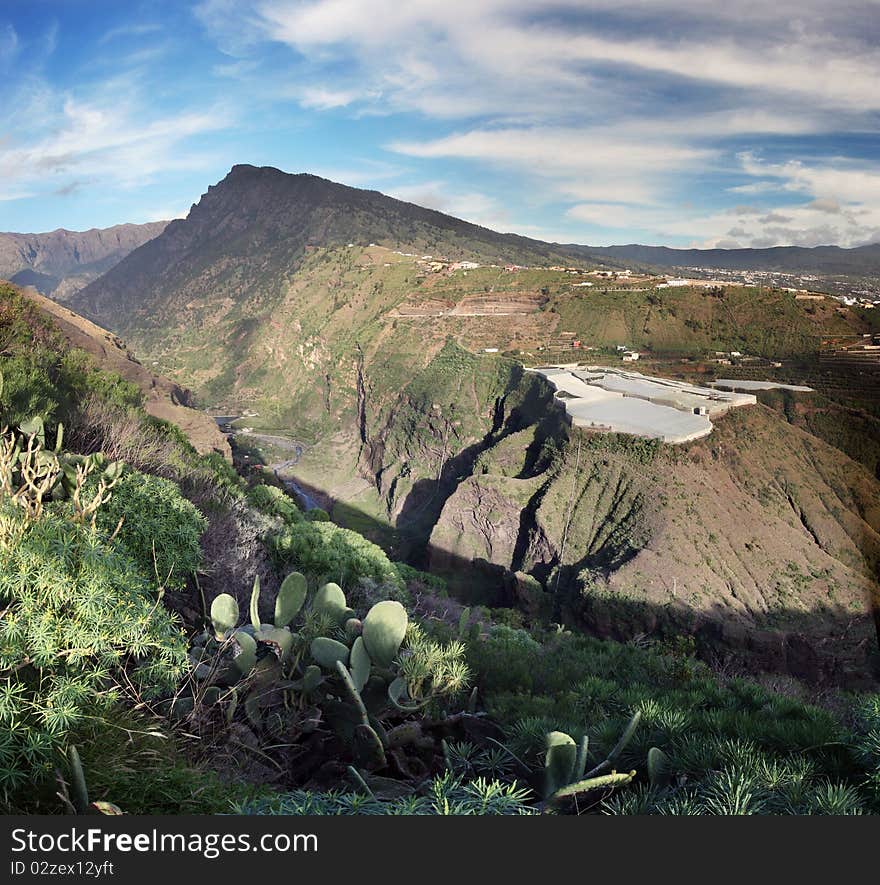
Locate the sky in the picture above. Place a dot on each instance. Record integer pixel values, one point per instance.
(690, 123)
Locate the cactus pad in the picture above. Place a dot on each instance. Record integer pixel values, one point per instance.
(224, 614)
(330, 600)
(384, 630)
(290, 599)
(327, 652)
(360, 664)
(559, 761)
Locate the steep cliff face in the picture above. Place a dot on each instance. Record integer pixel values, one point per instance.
(758, 536)
(63, 261)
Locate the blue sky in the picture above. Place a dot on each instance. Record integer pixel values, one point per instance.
(737, 123)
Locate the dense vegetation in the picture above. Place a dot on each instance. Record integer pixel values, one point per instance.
(207, 647)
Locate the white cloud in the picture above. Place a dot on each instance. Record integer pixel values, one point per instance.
(326, 99)
(618, 164)
(163, 213)
(837, 203)
(478, 208)
(615, 108)
(129, 30)
(110, 141)
(422, 54)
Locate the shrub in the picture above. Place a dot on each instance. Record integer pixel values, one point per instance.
(82, 378)
(77, 614)
(734, 747)
(272, 501)
(410, 575)
(160, 528)
(334, 553)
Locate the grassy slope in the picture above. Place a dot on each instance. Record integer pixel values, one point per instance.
(779, 752)
(394, 410)
(162, 398)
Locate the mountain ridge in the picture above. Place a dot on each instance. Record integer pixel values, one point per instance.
(262, 208)
(252, 230)
(59, 261)
(821, 259)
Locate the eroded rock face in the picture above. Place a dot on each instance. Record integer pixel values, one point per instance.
(480, 521)
(761, 541)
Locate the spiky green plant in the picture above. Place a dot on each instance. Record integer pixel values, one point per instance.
(446, 795)
(81, 626)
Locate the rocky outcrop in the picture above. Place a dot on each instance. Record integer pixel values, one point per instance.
(762, 543)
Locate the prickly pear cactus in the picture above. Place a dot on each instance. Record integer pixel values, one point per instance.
(327, 652)
(560, 759)
(330, 601)
(247, 654)
(360, 664)
(290, 599)
(224, 614)
(384, 630)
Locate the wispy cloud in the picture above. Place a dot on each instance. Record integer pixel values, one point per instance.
(8, 43)
(119, 144)
(584, 120)
(129, 31)
(824, 205)
(614, 108)
(617, 164)
(477, 207)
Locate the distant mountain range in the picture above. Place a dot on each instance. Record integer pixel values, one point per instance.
(785, 259)
(263, 220)
(61, 261)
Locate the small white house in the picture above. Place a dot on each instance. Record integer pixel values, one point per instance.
(631, 356)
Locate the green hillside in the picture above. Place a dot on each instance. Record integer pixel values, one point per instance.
(178, 640)
(383, 379)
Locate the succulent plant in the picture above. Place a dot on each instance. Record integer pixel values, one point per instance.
(224, 615)
(354, 672)
(659, 768)
(246, 657)
(559, 762)
(328, 651)
(330, 601)
(384, 630)
(361, 664)
(79, 803)
(290, 599)
(565, 763)
(255, 603)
